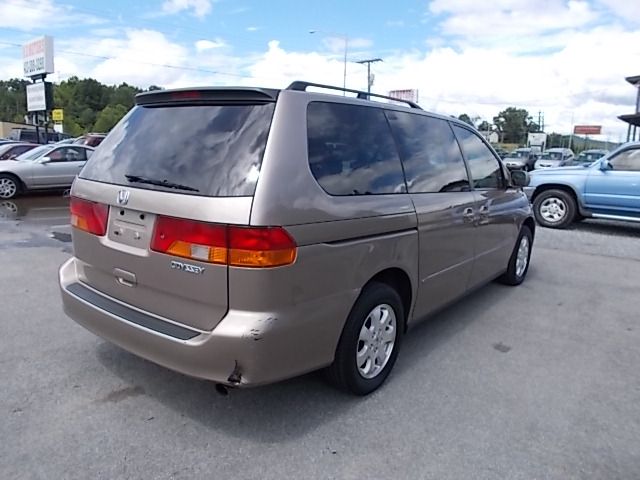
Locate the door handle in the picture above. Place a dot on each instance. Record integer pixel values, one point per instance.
(468, 215)
(484, 215)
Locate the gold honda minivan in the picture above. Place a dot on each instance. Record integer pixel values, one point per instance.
(248, 235)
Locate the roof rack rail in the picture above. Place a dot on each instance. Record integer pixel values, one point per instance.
(302, 86)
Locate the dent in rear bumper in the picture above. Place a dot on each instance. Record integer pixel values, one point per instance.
(245, 348)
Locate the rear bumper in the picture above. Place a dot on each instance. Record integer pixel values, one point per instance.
(245, 348)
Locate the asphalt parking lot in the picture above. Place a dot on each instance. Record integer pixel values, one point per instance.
(540, 381)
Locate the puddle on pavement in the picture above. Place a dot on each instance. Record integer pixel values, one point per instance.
(36, 209)
(35, 221)
(63, 237)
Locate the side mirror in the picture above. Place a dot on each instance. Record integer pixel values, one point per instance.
(520, 178)
(605, 164)
(45, 160)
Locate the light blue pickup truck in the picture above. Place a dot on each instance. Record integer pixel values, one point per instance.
(608, 188)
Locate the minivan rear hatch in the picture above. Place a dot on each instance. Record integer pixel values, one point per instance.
(170, 179)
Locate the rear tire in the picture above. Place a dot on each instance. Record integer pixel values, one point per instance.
(519, 261)
(370, 341)
(554, 208)
(9, 186)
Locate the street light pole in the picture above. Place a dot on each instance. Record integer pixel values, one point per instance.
(344, 76)
(345, 37)
(369, 62)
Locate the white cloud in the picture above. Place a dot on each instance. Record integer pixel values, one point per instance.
(200, 8)
(252, 29)
(203, 45)
(30, 15)
(582, 80)
(626, 9)
(510, 19)
(336, 44)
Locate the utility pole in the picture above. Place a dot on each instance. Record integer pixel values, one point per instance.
(369, 77)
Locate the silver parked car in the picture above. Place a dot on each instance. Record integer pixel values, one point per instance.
(44, 167)
(247, 235)
(555, 157)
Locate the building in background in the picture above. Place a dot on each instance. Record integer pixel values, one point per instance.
(491, 136)
(633, 119)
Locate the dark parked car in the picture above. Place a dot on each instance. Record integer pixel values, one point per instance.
(11, 150)
(90, 139)
(587, 157)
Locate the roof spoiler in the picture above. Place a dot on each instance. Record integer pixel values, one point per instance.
(208, 96)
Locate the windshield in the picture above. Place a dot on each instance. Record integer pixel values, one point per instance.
(35, 153)
(5, 147)
(590, 156)
(212, 150)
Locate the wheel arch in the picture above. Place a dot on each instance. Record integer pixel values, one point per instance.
(557, 186)
(531, 224)
(21, 185)
(400, 281)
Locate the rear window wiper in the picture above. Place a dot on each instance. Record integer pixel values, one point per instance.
(160, 183)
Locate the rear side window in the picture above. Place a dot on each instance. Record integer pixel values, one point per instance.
(486, 171)
(351, 150)
(209, 150)
(430, 154)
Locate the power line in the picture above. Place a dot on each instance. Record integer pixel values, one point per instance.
(163, 65)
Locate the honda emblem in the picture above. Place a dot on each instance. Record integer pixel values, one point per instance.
(123, 197)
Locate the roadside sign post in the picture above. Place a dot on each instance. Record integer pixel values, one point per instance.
(37, 60)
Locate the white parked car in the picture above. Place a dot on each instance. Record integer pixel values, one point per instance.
(555, 157)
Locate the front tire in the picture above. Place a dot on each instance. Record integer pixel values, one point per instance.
(9, 186)
(370, 341)
(554, 208)
(519, 261)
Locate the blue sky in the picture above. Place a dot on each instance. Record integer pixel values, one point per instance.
(567, 58)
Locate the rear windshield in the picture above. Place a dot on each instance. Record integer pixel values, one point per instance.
(197, 150)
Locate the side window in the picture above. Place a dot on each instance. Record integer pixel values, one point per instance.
(28, 136)
(76, 155)
(629, 161)
(58, 155)
(429, 152)
(68, 154)
(351, 150)
(486, 171)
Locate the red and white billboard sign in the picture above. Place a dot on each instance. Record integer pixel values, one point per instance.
(411, 95)
(587, 129)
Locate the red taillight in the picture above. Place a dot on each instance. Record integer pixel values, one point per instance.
(185, 238)
(89, 216)
(259, 247)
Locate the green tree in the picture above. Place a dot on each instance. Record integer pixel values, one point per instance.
(466, 119)
(108, 117)
(13, 99)
(124, 95)
(514, 124)
(84, 102)
(484, 126)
